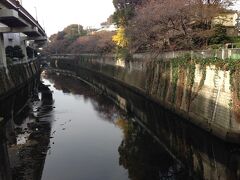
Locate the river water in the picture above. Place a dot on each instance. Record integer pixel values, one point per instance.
(89, 137)
(72, 131)
(85, 134)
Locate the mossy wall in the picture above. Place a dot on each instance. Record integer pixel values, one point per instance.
(203, 91)
(15, 76)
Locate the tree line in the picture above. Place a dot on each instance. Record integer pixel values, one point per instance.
(158, 25)
(75, 39)
(149, 25)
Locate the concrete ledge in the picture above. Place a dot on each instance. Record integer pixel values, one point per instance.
(8, 13)
(11, 18)
(26, 30)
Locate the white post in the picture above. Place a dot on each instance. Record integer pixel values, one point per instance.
(3, 60)
(24, 50)
(191, 54)
(223, 53)
(229, 53)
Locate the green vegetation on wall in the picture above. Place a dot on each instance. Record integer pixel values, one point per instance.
(188, 64)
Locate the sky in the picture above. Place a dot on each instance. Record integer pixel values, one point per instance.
(55, 15)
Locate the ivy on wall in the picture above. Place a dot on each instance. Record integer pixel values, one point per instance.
(188, 63)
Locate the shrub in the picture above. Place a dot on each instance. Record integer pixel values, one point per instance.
(9, 51)
(220, 35)
(17, 52)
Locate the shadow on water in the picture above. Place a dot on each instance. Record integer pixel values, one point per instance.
(158, 144)
(139, 153)
(25, 132)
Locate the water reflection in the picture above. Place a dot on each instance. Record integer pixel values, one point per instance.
(5, 170)
(101, 104)
(86, 137)
(139, 153)
(202, 155)
(145, 158)
(81, 134)
(24, 136)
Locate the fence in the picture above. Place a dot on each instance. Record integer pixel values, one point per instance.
(218, 53)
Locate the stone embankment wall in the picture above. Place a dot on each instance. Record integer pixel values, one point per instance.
(206, 94)
(16, 76)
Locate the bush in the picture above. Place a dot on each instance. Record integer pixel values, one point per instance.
(237, 45)
(220, 35)
(216, 46)
(124, 54)
(235, 39)
(17, 52)
(9, 51)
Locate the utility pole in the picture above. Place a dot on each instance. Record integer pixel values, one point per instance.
(36, 12)
(35, 7)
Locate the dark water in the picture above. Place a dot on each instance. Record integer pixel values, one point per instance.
(92, 136)
(69, 131)
(86, 134)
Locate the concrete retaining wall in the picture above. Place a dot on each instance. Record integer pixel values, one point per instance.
(204, 95)
(16, 76)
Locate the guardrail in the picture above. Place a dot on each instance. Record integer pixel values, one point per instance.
(233, 53)
(218, 53)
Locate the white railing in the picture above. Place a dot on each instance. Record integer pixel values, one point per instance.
(211, 53)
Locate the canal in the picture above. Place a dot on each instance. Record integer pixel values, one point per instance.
(91, 138)
(69, 130)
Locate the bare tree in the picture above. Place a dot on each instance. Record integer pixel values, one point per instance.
(100, 42)
(171, 24)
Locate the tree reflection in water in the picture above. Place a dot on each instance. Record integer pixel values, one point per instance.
(202, 155)
(104, 106)
(143, 157)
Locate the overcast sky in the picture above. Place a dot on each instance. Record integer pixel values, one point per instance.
(54, 15)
